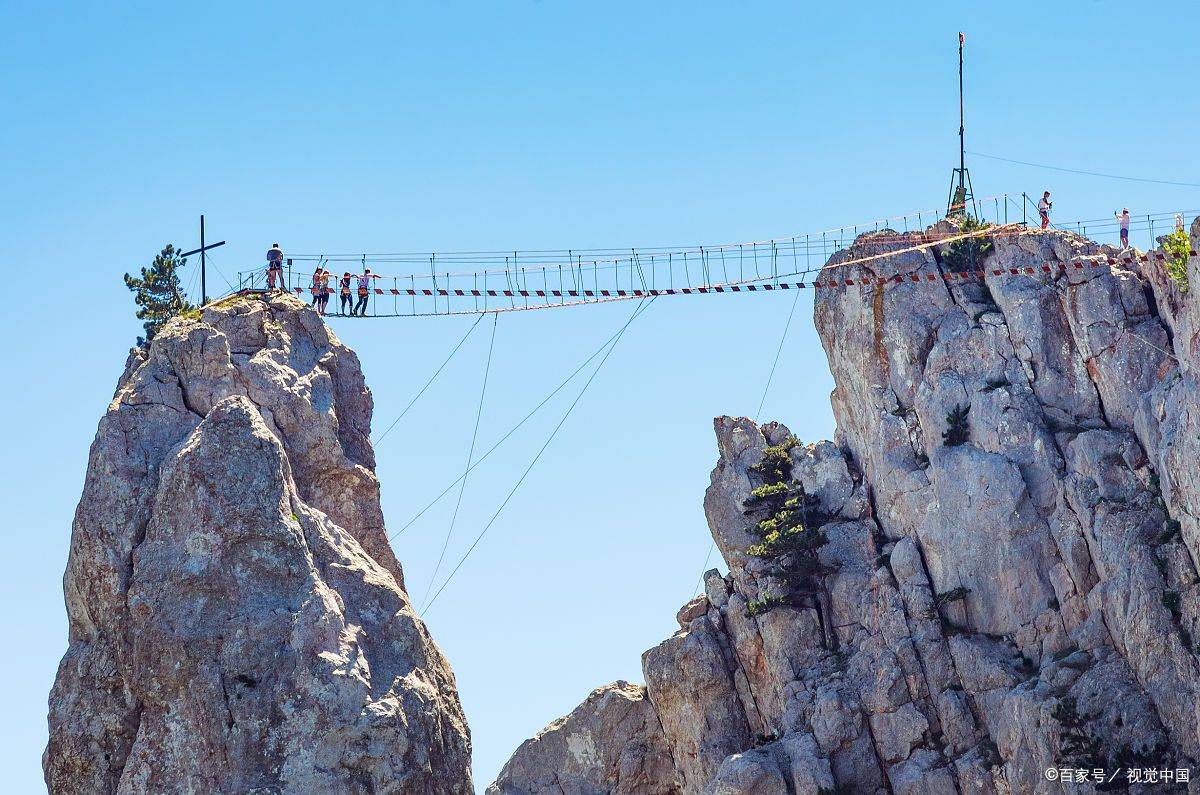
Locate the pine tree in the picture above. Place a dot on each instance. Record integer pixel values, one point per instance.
(958, 431)
(157, 292)
(789, 523)
(968, 253)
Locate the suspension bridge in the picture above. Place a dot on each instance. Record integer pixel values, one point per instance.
(483, 282)
(494, 282)
(488, 282)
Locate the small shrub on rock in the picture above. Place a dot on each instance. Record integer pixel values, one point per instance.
(1178, 247)
(957, 432)
(969, 253)
(1078, 744)
(953, 595)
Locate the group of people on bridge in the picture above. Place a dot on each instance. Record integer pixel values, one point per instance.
(349, 286)
(360, 282)
(358, 285)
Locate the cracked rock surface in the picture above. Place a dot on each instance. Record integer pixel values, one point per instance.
(238, 622)
(986, 610)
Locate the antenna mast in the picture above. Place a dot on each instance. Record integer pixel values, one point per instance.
(961, 190)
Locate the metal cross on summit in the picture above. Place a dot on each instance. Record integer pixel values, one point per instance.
(202, 251)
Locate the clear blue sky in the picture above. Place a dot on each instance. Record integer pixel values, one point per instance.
(519, 125)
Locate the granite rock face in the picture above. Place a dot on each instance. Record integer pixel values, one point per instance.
(611, 743)
(238, 622)
(1023, 599)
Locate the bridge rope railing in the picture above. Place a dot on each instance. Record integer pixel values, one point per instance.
(521, 266)
(826, 241)
(815, 247)
(634, 276)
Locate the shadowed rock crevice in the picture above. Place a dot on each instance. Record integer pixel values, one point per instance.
(1018, 595)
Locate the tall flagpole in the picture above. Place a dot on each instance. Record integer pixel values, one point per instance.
(962, 146)
(961, 191)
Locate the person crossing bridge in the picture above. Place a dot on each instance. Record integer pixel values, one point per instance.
(347, 303)
(364, 292)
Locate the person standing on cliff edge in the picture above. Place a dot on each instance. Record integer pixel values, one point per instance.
(1044, 209)
(274, 266)
(1123, 218)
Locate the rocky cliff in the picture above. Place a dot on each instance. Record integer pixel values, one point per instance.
(990, 572)
(238, 622)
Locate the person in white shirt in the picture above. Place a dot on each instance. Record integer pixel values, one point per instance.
(364, 291)
(1123, 218)
(1044, 209)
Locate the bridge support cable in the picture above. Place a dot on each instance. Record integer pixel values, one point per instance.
(757, 415)
(487, 368)
(562, 385)
(778, 351)
(1087, 173)
(432, 378)
(637, 310)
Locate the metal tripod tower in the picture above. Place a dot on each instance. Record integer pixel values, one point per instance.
(961, 191)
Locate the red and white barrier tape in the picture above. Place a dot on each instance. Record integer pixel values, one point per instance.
(752, 287)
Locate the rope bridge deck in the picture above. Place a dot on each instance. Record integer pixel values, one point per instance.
(603, 296)
(545, 279)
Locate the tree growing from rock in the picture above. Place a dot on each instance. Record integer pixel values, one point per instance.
(157, 292)
(1179, 247)
(968, 253)
(788, 521)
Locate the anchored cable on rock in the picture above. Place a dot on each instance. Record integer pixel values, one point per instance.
(212, 261)
(1135, 335)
